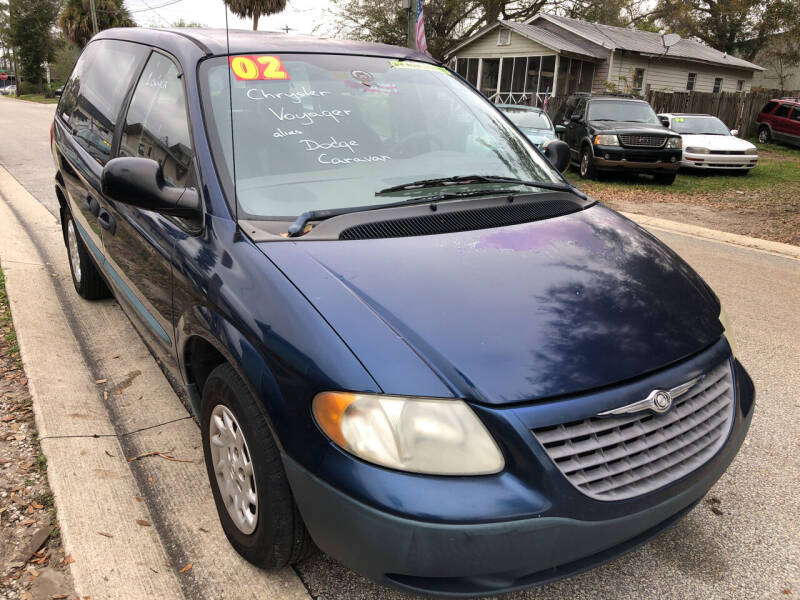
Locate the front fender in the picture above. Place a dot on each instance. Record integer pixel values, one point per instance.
(228, 293)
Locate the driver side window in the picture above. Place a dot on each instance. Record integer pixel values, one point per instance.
(156, 125)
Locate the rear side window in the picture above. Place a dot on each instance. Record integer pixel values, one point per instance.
(796, 113)
(768, 107)
(156, 125)
(783, 110)
(95, 93)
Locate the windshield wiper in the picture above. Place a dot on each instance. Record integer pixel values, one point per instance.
(423, 183)
(297, 228)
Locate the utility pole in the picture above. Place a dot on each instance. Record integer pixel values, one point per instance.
(410, 6)
(94, 16)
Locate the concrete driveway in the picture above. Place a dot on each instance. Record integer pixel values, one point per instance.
(748, 546)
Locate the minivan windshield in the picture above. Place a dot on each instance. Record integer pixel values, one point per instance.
(621, 110)
(317, 131)
(700, 125)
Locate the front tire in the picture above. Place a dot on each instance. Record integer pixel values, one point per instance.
(251, 492)
(586, 168)
(764, 135)
(85, 277)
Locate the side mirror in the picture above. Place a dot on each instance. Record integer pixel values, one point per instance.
(557, 152)
(140, 182)
(560, 129)
(664, 121)
(576, 118)
(734, 132)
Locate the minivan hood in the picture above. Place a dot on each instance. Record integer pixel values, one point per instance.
(515, 313)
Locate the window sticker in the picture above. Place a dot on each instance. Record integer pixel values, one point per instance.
(679, 119)
(256, 67)
(408, 64)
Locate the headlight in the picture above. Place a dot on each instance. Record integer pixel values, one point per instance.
(420, 435)
(606, 140)
(726, 324)
(697, 150)
(751, 151)
(675, 142)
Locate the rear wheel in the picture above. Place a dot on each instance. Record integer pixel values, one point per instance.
(85, 277)
(764, 135)
(253, 498)
(665, 178)
(586, 167)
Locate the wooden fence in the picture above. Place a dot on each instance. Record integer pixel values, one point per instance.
(737, 110)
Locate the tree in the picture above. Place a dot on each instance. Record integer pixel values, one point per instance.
(183, 23)
(782, 55)
(255, 8)
(731, 25)
(75, 19)
(30, 24)
(446, 21)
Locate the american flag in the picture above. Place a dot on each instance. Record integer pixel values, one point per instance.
(422, 44)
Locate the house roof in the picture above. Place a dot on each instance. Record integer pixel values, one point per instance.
(542, 36)
(555, 41)
(644, 42)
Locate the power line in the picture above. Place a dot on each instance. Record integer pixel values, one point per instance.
(153, 8)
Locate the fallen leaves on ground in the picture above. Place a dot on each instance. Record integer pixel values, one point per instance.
(143, 522)
(104, 534)
(186, 568)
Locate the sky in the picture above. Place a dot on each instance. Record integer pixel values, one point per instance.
(301, 16)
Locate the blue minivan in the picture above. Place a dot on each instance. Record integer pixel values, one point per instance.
(407, 339)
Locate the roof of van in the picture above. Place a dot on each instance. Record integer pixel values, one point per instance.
(242, 41)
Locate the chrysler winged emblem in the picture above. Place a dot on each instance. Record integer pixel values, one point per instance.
(657, 401)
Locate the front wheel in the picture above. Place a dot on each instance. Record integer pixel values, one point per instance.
(764, 135)
(253, 498)
(587, 169)
(665, 178)
(85, 277)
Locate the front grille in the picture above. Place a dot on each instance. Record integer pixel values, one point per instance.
(642, 141)
(728, 152)
(462, 220)
(625, 456)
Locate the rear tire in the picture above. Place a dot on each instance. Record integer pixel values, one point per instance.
(85, 277)
(586, 168)
(764, 135)
(261, 521)
(665, 178)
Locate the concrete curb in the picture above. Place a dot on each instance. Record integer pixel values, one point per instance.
(89, 431)
(734, 239)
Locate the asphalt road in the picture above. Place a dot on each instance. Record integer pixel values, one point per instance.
(750, 550)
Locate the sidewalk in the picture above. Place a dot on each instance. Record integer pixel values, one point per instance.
(145, 528)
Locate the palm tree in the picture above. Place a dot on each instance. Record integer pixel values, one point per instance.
(255, 8)
(75, 19)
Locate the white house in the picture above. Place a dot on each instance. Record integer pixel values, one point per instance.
(522, 63)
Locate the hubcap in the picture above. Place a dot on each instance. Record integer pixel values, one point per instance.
(584, 164)
(762, 136)
(233, 467)
(74, 257)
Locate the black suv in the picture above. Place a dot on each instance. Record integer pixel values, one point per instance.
(610, 133)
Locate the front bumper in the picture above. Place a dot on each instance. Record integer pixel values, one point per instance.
(719, 161)
(447, 549)
(640, 160)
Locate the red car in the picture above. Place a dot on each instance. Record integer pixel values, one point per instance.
(779, 120)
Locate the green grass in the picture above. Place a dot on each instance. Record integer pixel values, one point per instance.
(770, 172)
(40, 98)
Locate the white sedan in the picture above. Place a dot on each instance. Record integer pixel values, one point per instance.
(709, 144)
